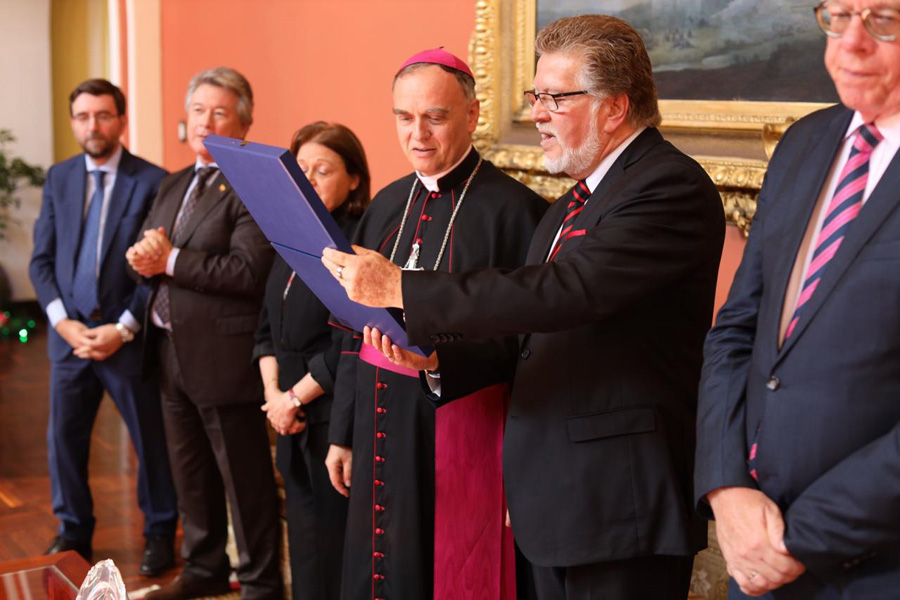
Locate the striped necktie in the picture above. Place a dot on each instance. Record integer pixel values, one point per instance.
(580, 194)
(161, 301)
(843, 209)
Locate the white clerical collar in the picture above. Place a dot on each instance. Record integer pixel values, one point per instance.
(888, 126)
(594, 179)
(110, 166)
(431, 183)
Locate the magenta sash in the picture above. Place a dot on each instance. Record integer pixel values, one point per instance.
(474, 556)
(369, 354)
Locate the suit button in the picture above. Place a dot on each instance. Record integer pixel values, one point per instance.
(773, 384)
(525, 353)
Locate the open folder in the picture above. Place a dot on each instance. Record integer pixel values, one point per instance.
(291, 215)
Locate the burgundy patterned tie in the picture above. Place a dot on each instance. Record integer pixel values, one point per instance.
(840, 214)
(204, 176)
(580, 194)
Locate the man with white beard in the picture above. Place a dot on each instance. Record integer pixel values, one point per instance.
(613, 305)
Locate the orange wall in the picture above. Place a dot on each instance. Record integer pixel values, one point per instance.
(332, 60)
(307, 60)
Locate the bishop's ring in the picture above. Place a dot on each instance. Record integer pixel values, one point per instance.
(340, 271)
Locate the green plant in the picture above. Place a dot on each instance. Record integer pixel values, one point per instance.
(14, 173)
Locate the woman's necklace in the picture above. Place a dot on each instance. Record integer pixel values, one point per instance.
(413, 262)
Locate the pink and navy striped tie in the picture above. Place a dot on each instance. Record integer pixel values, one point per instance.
(580, 194)
(842, 210)
(844, 207)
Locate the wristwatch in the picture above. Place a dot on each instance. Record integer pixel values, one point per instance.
(294, 398)
(127, 334)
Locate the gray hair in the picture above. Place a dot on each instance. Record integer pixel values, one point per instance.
(465, 82)
(613, 57)
(229, 79)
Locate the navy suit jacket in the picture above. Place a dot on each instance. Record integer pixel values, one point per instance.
(57, 234)
(826, 404)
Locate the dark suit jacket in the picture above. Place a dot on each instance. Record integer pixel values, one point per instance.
(57, 234)
(599, 440)
(826, 404)
(295, 329)
(216, 292)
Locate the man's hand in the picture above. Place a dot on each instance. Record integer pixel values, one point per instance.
(368, 277)
(149, 255)
(396, 354)
(72, 332)
(339, 463)
(283, 415)
(750, 529)
(100, 342)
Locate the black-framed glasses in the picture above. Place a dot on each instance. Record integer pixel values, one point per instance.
(548, 100)
(882, 23)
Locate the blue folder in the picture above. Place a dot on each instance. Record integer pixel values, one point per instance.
(291, 215)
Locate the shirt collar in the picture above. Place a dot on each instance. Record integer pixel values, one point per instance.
(889, 127)
(433, 183)
(199, 164)
(594, 179)
(111, 166)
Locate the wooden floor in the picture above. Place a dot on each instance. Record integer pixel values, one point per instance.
(27, 524)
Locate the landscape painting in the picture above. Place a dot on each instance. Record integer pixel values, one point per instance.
(745, 50)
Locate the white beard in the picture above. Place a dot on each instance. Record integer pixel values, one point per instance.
(576, 160)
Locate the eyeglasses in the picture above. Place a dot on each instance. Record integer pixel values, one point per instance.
(882, 23)
(550, 101)
(104, 118)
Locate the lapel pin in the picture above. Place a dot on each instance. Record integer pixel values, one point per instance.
(221, 187)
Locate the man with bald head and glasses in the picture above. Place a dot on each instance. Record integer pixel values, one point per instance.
(798, 454)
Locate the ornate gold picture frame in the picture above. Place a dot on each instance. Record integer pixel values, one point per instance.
(731, 139)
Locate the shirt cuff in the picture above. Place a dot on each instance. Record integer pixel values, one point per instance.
(127, 319)
(56, 312)
(170, 262)
(434, 383)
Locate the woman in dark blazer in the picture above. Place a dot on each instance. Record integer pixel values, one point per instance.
(298, 354)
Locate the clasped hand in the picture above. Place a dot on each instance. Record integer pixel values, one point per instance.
(149, 255)
(285, 418)
(750, 529)
(96, 343)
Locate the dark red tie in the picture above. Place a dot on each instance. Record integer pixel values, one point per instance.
(580, 194)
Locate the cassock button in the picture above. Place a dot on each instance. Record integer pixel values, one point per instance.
(378, 577)
(381, 410)
(525, 353)
(379, 532)
(379, 459)
(378, 555)
(380, 386)
(378, 482)
(773, 384)
(381, 435)
(379, 508)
